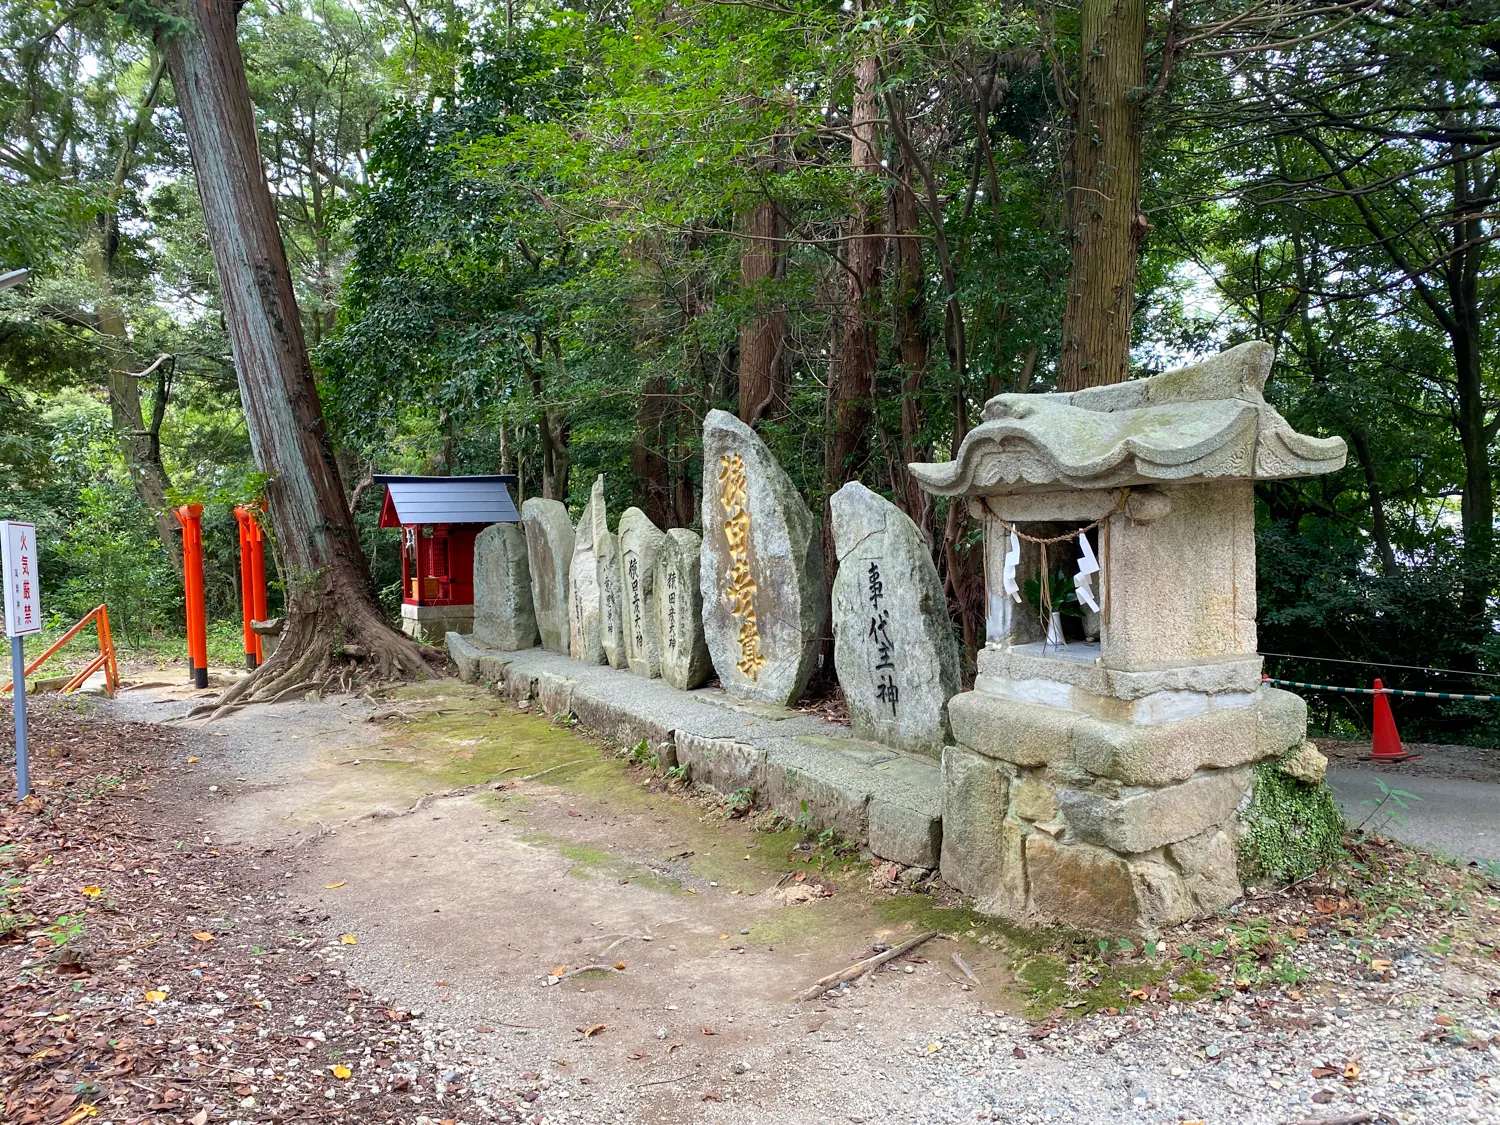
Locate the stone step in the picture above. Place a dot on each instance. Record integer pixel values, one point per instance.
(794, 763)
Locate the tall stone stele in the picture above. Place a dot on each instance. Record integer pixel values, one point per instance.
(640, 539)
(679, 610)
(503, 613)
(549, 550)
(1095, 779)
(611, 598)
(585, 618)
(893, 642)
(764, 590)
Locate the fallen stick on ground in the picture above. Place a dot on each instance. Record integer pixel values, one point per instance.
(660, 1081)
(560, 977)
(1347, 1119)
(860, 968)
(549, 769)
(963, 967)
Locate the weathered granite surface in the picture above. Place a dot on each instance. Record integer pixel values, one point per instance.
(764, 590)
(640, 540)
(549, 551)
(1204, 421)
(503, 615)
(611, 599)
(679, 610)
(585, 626)
(893, 642)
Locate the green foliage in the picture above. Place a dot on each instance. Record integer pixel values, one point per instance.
(1292, 829)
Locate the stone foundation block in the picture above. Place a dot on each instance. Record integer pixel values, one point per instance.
(1139, 820)
(722, 764)
(1210, 868)
(555, 693)
(616, 723)
(1035, 799)
(902, 834)
(465, 656)
(1080, 885)
(806, 783)
(982, 847)
(1024, 734)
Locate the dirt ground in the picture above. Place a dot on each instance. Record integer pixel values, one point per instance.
(430, 908)
(477, 853)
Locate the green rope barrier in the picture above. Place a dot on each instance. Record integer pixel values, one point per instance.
(1383, 691)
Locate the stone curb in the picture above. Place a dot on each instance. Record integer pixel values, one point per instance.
(795, 764)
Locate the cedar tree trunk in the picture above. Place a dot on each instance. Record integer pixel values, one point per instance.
(329, 602)
(1104, 202)
(763, 374)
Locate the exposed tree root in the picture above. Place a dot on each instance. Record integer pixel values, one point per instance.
(333, 640)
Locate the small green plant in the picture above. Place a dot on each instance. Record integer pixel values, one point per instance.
(642, 754)
(65, 929)
(741, 801)
(678, 772)
(1392, 802)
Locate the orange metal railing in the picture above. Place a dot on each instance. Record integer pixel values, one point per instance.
(105, 659)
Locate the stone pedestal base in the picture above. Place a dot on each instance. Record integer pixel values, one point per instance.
(431, 623)
(1055, 815)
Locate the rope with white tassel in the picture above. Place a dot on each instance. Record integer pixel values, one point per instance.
(1088, 563)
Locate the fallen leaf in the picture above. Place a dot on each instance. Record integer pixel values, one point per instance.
(80, 1113)
(348, 939)
(1325, 906)
(484, 1029)
(1016, 1052)
(673, 1047)
(333, 886)
(934, 1048)
(708, 1031)
(1380, 965)
(203, 936)
(1323, 1072)
(1137, 994)
(92, 892)
(635, 1055)
(595, 1030)
(441, 984)
(193, 762)
(1351, 1071)
(620, 965)
(341, 1072)
(201, 1117)
(723, 937)
(1444, 1021)
(156, 996)
(397, 1015)
(559, 970)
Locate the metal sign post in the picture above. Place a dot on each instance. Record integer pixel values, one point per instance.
(21, 598)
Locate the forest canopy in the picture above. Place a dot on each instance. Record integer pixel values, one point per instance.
(546, 239)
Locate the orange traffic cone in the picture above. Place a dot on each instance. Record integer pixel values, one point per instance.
(1388, 746)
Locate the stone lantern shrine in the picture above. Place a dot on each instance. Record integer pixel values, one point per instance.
(1107, 746)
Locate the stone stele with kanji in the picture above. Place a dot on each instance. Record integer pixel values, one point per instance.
(1103, 754)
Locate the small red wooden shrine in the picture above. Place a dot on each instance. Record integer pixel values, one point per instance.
(439, 518)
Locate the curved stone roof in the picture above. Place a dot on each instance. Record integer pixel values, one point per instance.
(1208, 421)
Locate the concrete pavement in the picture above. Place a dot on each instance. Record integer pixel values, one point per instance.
(1457, 817)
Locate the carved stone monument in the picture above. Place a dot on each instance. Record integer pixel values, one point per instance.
(893, 643)
(762, 570)
(611, 598)
(503, 615)
(1095, 781)
(679, 610)
(640, 540)
(585, 627)
(549, 550)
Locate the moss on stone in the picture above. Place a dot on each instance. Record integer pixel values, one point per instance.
(1292, 829)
